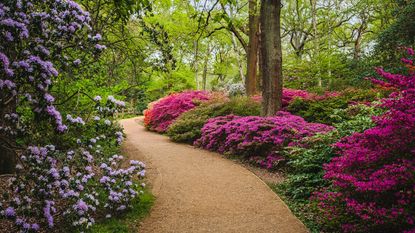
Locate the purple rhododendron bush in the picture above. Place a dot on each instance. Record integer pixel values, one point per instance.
(257, 138)
(373, 179)
(162, 113)
(68, 172)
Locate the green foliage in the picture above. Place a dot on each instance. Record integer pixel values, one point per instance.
(128, 222)
(305, 164)
(187, 128)
(399, 33)
(322, 111)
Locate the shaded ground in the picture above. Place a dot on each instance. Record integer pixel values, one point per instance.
(198, 191)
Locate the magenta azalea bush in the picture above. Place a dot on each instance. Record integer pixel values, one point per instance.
(373, 179)
(288, 95)
(162, 113)
(255, 136)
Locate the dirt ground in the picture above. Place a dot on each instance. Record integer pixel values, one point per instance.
(199, 191)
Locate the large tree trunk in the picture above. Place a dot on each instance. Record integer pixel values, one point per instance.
(251, 77)
(271, 57)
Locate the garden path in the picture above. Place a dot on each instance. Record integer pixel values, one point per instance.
(199, 191)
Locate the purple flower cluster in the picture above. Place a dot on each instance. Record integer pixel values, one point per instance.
(255, 136)
(373, 178)
(54, 176)
(34, 33)
(62, 179)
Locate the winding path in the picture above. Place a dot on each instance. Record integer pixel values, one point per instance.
(198, 191)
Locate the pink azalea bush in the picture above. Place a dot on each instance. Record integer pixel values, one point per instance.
(166, 110)
(373, 179)
(288, 95)
(255, 136)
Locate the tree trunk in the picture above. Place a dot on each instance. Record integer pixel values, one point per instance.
(205, 68)
(313, 4)
(240, 66)
(251, 77)
(195, 65)
(271, 57)
(7, 142)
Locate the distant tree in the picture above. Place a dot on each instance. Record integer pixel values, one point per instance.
(399, 33)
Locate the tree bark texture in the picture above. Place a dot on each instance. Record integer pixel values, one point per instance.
(252, 56)
(271, 57)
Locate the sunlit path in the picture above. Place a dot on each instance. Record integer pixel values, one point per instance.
(198, 191)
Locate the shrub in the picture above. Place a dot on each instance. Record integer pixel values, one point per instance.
(255, 136)
(187, 127)
(65, 166)
(321, 108)
(288, 95)
(236, 89)
(305, 164)
(80, 179)
(373, 178)
(163, 112)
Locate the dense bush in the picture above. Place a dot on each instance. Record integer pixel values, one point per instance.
(321, 108)
(288, 95)
(66, 168)
(187, 127)
(79, 180)
(373, 178)
(256, 137)
(161, 114)
(305, 164)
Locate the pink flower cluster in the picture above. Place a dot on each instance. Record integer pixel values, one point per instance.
(254, 136)
(374, 176)
(162, 113)
(288, 95)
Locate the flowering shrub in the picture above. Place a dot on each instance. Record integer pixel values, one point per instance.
(162, 113)
(373, 178)
(288, 95)
(321, 108)
(187, 127)
(236, 89)
(305, 163)
(75, 183)
(256, 136)
(66, 163)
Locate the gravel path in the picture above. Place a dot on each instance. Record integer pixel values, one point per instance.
(198, 191)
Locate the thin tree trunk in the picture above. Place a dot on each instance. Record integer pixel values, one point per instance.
(205, 68)
(235, 48)
(271, 56)
(252, 56)
(316, 40)
(196, 65)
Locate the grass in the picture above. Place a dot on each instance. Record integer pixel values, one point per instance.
(129, 221)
